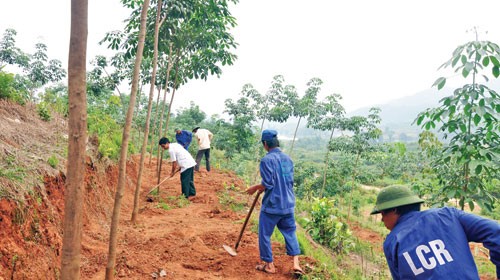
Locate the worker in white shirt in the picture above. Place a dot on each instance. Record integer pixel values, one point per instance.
(204, 136)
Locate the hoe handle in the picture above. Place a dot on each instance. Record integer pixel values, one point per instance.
(246, 220)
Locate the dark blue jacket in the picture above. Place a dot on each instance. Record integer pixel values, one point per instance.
(184, 138)
(434, 244)
(276, 170)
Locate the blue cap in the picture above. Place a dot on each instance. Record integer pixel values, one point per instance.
(269, 134)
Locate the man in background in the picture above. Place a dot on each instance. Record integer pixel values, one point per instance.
(183, 137)
(181, 159)
(204, 137)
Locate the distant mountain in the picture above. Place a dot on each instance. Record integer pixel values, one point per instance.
(404, 110)
(399, 114)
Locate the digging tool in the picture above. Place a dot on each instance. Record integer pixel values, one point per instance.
(157, 185)
(230, 250)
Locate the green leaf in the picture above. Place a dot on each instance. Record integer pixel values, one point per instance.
(465, 72)
(463, 128)
(463, 59)
(486, 61)
(477, 119)
(440, 82)
(471, 205)
(455, 60)
(495, 71)
(495, 61)
(420, 119)
(452, 109)
(478, 169)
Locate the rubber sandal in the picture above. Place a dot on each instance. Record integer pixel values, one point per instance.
(264, 268)
(297, 273)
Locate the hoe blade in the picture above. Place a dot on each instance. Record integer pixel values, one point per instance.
(230, 250)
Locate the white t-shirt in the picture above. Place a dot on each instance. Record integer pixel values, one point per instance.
(204, 136)
(181, 156)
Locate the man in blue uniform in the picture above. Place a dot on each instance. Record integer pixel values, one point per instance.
(432, 244)
(183, 137)
(276, 170)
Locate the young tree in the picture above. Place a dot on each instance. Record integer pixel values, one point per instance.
(364, 132)
(158, 22)
(240, 136)
(113, 236)
(70, 259)
(40, 70)
(328, 116)
(9, 53)
(469, 119)
(303, 107)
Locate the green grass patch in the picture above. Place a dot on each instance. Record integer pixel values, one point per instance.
(53, 161)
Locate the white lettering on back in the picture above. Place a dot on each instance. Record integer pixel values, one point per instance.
(428, 262)
(432, 261)
(438, 249)
(416, 271)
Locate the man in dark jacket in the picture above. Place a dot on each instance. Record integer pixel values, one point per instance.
(432, 244)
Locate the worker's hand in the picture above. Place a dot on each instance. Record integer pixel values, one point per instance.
(255, 188)
(251, 190)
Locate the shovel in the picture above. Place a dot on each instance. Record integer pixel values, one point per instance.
(230, 250)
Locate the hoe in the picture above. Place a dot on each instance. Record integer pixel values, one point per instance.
(230, 250)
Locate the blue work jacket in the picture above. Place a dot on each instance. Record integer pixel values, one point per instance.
(434, 244)
(184, 138)
(276, 170)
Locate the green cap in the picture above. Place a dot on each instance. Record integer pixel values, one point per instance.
(394, 196)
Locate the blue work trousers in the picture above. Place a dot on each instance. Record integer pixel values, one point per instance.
(286, 225)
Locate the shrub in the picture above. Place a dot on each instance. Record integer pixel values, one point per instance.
(43, 112)
(327, 229)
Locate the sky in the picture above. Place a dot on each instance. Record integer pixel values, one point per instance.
(370, 52)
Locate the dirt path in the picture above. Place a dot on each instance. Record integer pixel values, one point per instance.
(185, 242)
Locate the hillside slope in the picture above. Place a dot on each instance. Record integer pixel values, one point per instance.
(184, 239)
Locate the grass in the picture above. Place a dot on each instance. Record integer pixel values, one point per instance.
(53, 161)
(228, 200)
(12, 170)
(171, 202)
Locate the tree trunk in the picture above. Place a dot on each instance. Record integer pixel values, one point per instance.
(326, 165)
(154, 126)
(172, 98)
(113, 236)
(166, 126)
(352, 185)
(160, 151)
(294, 135)
(77, 131)
(257, 169)
(135, 211)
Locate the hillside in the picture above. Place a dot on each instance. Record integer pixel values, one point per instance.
(174, 237)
